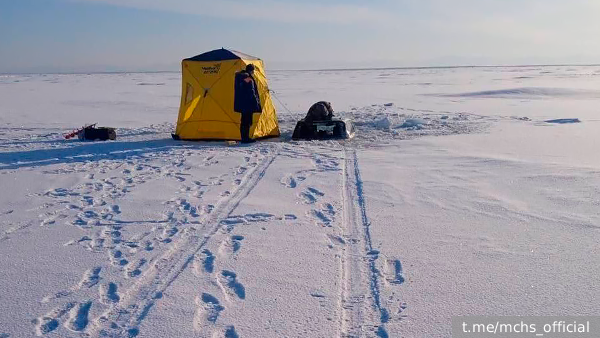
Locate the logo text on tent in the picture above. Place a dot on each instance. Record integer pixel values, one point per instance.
(212, 69)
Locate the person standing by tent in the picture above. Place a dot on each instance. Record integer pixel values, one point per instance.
(246, 100)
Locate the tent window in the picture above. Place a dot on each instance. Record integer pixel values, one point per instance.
(189, 93)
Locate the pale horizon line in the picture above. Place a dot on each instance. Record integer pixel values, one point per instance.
(316, 69)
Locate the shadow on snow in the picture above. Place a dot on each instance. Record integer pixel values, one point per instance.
(94, 151)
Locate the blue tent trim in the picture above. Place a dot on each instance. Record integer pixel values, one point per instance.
(221, 55)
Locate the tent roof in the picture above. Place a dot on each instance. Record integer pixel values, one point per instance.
(220, 55)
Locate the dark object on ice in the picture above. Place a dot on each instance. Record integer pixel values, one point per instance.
(319, 124)
(77, 131)
(91, 133)
(320, 111)
(323, 130)
(563, 121)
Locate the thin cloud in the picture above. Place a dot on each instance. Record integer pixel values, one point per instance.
(264, 10)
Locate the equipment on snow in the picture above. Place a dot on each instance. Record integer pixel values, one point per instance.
(77, 131)
(101, 134)
(91, 133)
(319, 124)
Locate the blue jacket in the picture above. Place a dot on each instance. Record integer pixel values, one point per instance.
(246, 98)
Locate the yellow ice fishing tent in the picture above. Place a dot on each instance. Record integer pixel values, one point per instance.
(206, 111)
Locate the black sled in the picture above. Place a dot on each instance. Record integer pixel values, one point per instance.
(91, 133)
(323, 130)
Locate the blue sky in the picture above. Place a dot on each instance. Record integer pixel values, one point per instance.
(111, 35)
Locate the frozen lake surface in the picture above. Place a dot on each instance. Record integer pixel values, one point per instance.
(467, 191)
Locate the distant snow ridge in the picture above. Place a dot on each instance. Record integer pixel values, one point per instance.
(527, 92)
(563, 121)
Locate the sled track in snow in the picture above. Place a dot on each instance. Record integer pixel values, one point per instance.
(362, 314)
(123, 320)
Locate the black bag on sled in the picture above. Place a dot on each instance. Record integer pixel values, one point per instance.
(319, 124)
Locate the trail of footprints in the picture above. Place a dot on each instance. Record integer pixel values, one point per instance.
(76, 313)
(229, 286)
(209, 306)
(87, 206)
(322, 213)
(231, 289)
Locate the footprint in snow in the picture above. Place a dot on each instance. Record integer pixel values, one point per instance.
(78, 317)
(321, 217)
(290, 182)
(325, 215)
(225, 332)
(89, 214)
(290, 217)
(335, 240)
(108, 293)
(48, 221)
(168, 233)
(148, 245)
(117, 258)
(208, 310)
(315, 191)
(230, 332)
(50, 321)
(207, 209)
(311, 195)
(134, 269)
(230, 286)
(204, 262)
(90, 278)
(232, 244)
(79, 222)
(258, 217)
(393, 271)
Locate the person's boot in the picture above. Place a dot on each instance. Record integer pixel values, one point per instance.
(244, 133)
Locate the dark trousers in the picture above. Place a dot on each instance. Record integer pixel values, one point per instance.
(245, 125)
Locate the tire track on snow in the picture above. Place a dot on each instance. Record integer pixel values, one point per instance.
(361, 313)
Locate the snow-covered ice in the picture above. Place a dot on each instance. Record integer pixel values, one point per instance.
(467, 191)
